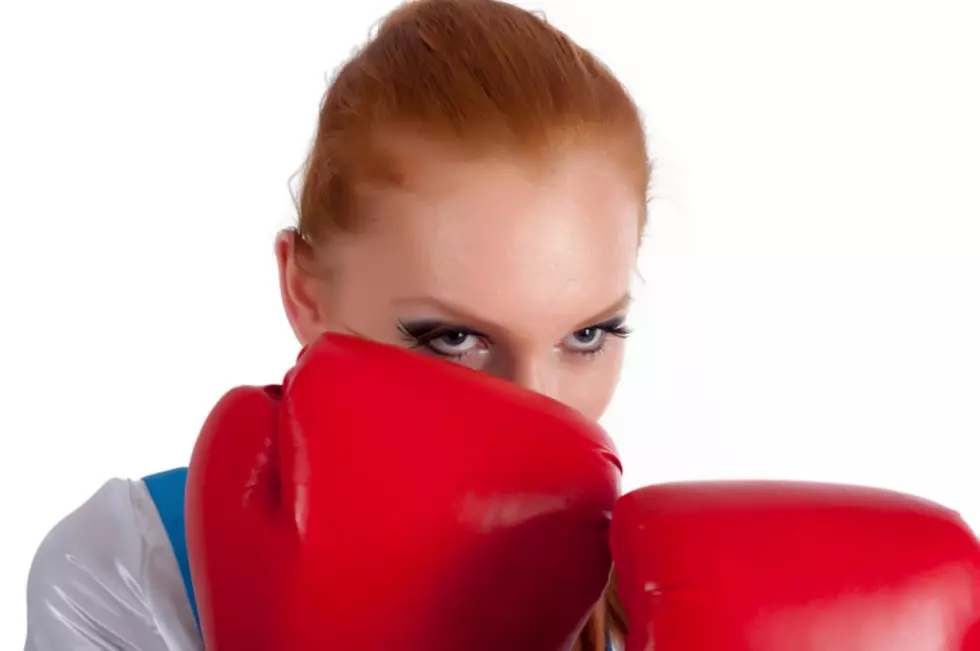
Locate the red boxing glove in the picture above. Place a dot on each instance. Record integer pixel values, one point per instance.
(380, 501)
(771, 566)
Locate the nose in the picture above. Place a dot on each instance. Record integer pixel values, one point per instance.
(536, 375)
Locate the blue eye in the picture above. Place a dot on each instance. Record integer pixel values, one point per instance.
(453, 343)
(591, 339)
(585, 339)
(442, 339)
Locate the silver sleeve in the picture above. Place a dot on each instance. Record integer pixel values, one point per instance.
(105, 579)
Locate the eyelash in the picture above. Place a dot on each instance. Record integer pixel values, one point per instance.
(613, 328)
(619, 330)
(422, 339)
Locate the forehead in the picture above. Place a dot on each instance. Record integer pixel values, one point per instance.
(505, 241)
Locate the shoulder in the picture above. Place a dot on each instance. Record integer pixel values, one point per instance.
(96, 538)
(106, 577)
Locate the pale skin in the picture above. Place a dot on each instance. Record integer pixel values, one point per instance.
(513, 267)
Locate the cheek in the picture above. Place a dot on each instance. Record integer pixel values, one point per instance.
(589, 386)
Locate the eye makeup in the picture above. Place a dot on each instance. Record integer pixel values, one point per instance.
(453, 340)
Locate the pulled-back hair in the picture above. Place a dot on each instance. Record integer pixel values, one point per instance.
(482, 75)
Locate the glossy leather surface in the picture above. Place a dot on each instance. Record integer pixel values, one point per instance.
(382, 500)
(785, 566)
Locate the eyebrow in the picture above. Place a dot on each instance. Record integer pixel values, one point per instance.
(611, 311)
(457, 313)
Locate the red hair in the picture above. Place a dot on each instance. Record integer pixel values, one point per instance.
(481, 75)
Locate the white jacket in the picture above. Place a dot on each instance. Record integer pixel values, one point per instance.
(106, 578)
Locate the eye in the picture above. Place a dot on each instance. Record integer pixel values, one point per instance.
(442, 339)
(591, 340)
(585, 340)
(453, 343)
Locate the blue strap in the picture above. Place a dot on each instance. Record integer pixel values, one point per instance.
(167, 492)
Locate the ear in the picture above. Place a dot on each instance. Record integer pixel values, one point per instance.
(302, 293)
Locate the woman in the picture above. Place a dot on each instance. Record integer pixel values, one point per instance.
(476, 190)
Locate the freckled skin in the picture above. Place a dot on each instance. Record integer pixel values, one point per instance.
(526, 255)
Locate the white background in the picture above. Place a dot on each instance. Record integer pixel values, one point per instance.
(811, 304)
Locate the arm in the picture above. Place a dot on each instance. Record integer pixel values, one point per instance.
(106, 579)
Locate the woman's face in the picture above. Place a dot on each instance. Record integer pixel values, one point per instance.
(517, 270)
